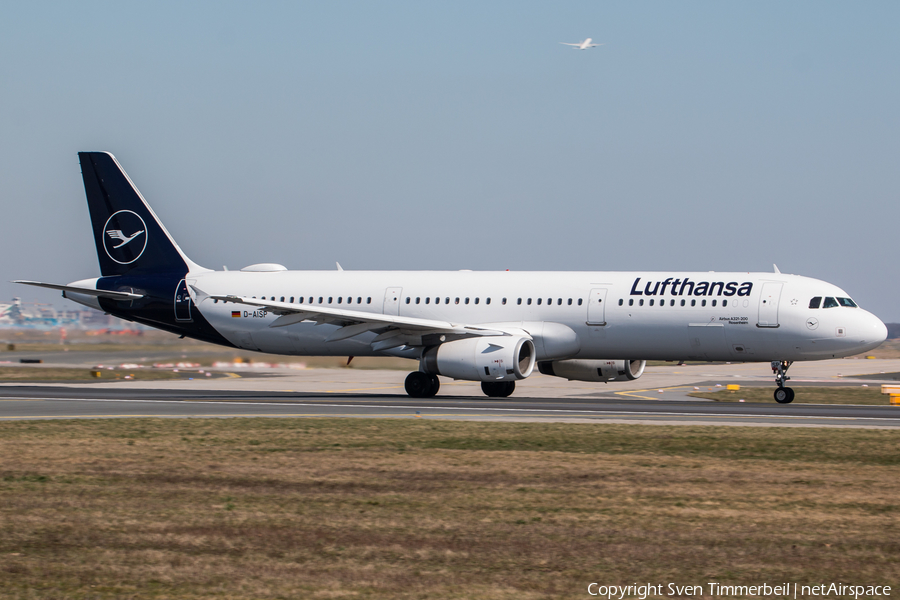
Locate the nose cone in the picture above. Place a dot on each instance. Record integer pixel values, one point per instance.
(872, 332)
(881, 331)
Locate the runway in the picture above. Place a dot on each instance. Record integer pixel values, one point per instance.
(660, 396)
(78, 402)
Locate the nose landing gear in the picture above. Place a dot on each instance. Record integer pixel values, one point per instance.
(783, 395)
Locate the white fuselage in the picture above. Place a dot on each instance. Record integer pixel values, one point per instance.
(636, 315)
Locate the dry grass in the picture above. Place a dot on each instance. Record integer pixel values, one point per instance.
(804, 395)
(41, 374)
(280, 508)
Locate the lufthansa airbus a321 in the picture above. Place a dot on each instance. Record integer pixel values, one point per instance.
(492, 327)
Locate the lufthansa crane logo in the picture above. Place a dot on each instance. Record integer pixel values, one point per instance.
(125, 237)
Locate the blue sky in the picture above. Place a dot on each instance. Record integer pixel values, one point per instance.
(701, 136)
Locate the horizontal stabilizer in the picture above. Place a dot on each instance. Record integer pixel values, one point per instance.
(85, 291)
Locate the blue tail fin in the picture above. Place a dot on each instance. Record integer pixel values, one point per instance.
(130, 238)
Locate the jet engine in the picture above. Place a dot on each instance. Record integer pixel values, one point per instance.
(489, 358)
(594, 370)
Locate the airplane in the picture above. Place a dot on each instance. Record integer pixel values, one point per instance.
(582, 45)
(490, 327)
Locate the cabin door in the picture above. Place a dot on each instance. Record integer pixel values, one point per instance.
(182, 302)
(392, 301)
(768, 304)
(597, 307)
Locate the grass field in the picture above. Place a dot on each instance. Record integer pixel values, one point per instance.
(330, 508)
(41, 374)
(804, 395)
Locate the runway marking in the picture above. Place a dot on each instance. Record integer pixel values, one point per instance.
(633, 393)
(390, 387)
(481, 411)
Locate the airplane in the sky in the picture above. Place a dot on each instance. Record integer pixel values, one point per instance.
(582, 45)
(492, 327)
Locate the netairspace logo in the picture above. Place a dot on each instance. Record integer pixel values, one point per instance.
(715, 589)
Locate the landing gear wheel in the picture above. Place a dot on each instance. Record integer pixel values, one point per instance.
(498, 389)
(421, 385)
(784, 395)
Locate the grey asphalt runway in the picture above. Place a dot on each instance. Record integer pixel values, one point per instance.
(67, 402)
(660, 396)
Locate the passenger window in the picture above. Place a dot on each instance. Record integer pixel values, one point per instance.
(713, 302)
(467, 300)
(330, 299)
(349, 299)
(292, 299)
(407, 299)
(830, 302)
(320, 299)
(529, 302)
(570, 302)
(703, 303)
(651, 301)
(641, 302)
(340, 299)
(549, 300)
(631, 302)
(447, 300)
(682, 302)
(476, 300)
(693, 303)
(273, 298)
(519, 301)
(847, 302)
(282, 299)
(579, 302)
(621, 302)
(456, 301)
(503, 302)
(539, 301)
(300, 299)
(427, 300)
(359, 300)
(487, 301)
(559, 301)
(418, 300)
(437, 300)
(369, 300)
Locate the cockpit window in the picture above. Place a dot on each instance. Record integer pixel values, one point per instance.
(815, 302)
(830, 302)
(847, 302)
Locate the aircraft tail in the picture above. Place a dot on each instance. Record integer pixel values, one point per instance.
(129, 236)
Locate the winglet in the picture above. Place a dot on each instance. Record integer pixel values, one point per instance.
(776, 268)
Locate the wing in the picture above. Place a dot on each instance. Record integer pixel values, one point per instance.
(568, 44)
(393, 331)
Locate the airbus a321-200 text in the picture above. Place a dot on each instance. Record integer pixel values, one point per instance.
(492, 327)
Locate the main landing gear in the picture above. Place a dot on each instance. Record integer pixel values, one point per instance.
(783, 395)
(426, 385)
(422, 385)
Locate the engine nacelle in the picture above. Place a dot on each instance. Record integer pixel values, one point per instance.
(489, 358)
(594, 370)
